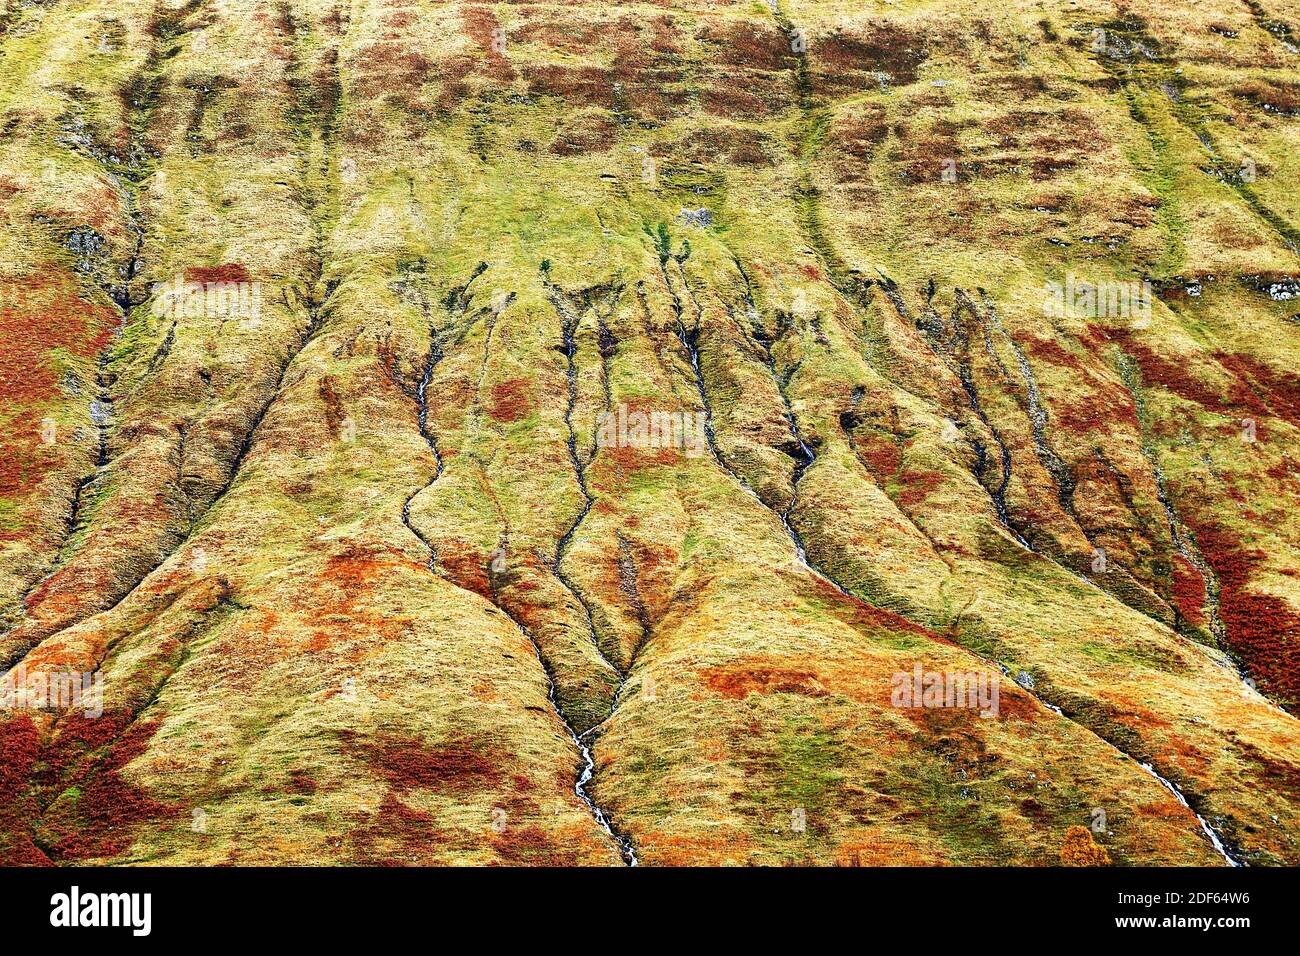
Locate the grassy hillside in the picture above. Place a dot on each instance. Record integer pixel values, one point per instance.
(328, 329)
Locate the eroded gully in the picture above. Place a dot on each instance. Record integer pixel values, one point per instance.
(569, 319)
(626, 850)
(999, 497)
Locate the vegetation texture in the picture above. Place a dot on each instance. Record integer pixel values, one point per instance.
(367, 574)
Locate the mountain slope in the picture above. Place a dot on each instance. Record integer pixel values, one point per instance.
(389, 561)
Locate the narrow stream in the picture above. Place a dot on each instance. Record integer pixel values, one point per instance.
(101, 416)
(569, 326)
(625, 848)
(934, 330)
(999, 495)
(1130, 376)
(1209, 830)
(422, 417)
(1177, 532)
(569, 329)
(999, 499)
(802, 463)
(1055, 465)
(457, 303)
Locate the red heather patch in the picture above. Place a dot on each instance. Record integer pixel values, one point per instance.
(1274, 774)
(651, 100)
(413, 831)
(917, 487)
(459, 767)
(329, 397)
(454, 89)
(1266, 631)
(353, 573)
(78, 736)
(577, 86)
(734, 145)
(1103, 410)
(481, 25)
(1014, 705)
(627, 458)
(577, 38)
(357, 566)
(300, 781)
(512, 400)
(533, 846)
(738, 682)
(1234, 400)
(1263, 629)
(48, 315)
(585, 134)
(733, 102)
(881, 455)
(635, 53)
(393, 71)
(1273, 95)
(230, 272)
(753, 46)
(840, 56)
(110, 809)
(399, 18)
(858, 611)
(1284, 470)
(1049, 350)
(1188, 592)
(653, 560)
(408, 763)
(1283, 390)
(19, 747)
(89, 754)
(859, 134)
(465, 566)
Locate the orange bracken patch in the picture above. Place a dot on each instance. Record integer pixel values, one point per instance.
(512, 400)
(739, 681)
